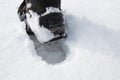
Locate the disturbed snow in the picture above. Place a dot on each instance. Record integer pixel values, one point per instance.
(93, 44)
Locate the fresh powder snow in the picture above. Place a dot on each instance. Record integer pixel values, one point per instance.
(93, 43)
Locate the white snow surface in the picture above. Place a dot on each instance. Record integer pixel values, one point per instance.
(93, 43)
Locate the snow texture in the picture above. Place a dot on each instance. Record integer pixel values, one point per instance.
(52, 53)
(93, 43)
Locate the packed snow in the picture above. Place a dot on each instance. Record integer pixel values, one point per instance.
(93, 43)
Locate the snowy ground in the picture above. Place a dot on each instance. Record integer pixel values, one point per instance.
(93, 43)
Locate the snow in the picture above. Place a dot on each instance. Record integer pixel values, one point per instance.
(93, 43)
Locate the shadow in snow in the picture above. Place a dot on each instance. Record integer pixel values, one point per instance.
(92, 36)
(52, 53)
(82, 33)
